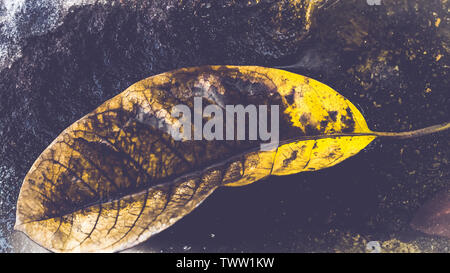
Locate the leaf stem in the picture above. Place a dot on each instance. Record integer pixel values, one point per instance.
(416, 133)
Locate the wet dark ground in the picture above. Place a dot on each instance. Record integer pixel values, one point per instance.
(391, 60)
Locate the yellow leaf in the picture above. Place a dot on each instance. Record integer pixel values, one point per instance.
(117, 176)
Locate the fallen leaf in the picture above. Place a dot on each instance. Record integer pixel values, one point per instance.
(116, 176)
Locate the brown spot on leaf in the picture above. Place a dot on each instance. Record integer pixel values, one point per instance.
(311, 130)
(333, 115)
(348, 121)
(290, 97)
(304, 118)
(290, 159)
(323, 124)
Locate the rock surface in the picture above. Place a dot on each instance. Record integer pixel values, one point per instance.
(61, 59)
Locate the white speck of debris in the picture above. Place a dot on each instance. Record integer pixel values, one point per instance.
(186, 248)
